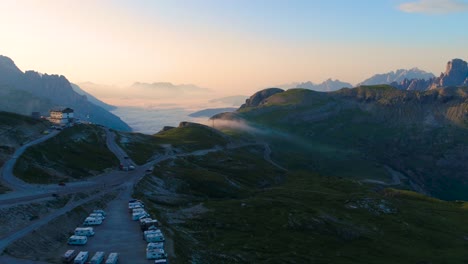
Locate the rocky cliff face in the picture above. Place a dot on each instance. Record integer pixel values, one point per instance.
(52, 90)
(456, 74)
(259, 97)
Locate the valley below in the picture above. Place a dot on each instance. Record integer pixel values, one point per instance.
(291, 177)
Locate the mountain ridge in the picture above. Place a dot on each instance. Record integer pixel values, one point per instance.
(51, 90)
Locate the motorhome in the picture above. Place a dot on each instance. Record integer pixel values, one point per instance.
(112, 258)
(138, 215)
(148, 224)
(89, 221)
(69, 256)
(84, 231)
(77, 240)
(160, 261)
(152, 246)
(156, 254)
(98, 258)
(99, 211)
(81, 258)
(135, 205)
(151, 232)
(151, 238)
(138, 210)
(97, 215)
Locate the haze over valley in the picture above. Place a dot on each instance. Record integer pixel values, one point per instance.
(260, 131)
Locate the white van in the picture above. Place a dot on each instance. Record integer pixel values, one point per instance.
(112, 258)
(152, 246)
(160, 261)
(151, 238)
(84, 231)
(77, 240)
(98, 258)
(156, 254)
(92, 221)
(97, 215)
(81, 258)
(99, 211)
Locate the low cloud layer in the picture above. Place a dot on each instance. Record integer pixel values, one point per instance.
(435, 6)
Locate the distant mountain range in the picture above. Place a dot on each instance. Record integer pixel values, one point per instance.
(30, 91)
(326, 86)
(456, 74)
(397, 76)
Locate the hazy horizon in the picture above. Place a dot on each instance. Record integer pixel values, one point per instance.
(231, 47)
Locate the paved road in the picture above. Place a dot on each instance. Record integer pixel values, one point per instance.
(119, 233)
(7, 176)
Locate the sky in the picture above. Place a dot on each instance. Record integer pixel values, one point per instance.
(231, 46)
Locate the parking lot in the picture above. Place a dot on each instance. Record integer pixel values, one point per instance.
(118, 233)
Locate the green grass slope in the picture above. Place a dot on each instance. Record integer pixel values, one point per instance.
(235, 207)
(359, 132)
(185, 138)
(76, 153)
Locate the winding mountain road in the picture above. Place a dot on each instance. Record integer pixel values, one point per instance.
(103, 184)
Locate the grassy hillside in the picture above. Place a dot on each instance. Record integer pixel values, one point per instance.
(235, 207)
(359, 132)
(76, 153)
(185, 138)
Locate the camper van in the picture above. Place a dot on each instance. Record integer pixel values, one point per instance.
(151, 232)
(98, 258)
(89, 221)
(160, 261)
(138, 210)
(112, 258)
(156, 254)
(81, 258)
(152, 238)
(69, 256)
(135, 205)
(152, 246)
(97, 215)
(148, 224)
(99, 211)
(77, 240)
(136, 216)
(84, 231)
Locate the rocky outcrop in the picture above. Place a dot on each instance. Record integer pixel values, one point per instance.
(456, 74)
(413, 85)
(259, 97)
